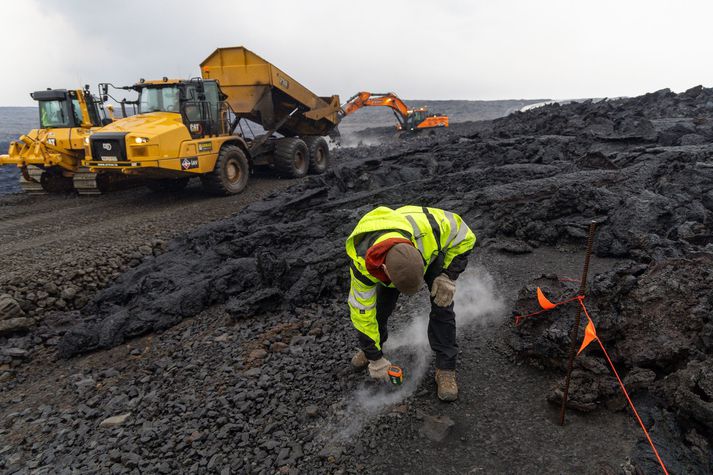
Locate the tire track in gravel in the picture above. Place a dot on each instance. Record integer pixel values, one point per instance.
(57, 251)
(38, 231)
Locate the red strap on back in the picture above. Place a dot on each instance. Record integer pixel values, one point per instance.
(376, 256)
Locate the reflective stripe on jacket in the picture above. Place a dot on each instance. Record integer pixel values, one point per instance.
(431, 230)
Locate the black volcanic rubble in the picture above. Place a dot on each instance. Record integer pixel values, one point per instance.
(536, 177)
(640, 167)
(653, 312)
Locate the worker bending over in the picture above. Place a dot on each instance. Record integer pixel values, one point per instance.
(393, 252)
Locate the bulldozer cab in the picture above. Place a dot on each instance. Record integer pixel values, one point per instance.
(201, 104)
(62, 108)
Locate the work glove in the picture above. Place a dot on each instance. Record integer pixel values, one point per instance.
(443, 290)
(379, 369)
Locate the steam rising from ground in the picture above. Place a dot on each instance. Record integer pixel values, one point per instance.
(477, 303)
(354, 139)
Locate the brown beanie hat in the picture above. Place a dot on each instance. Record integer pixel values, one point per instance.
(405, 266)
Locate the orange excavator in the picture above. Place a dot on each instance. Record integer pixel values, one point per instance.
(410, 120)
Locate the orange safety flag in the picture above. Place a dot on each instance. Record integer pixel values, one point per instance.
(590, 334)
(633, 408)
(542, 300)
(545, 304)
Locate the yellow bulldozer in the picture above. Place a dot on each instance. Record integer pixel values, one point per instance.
(50, 156)
(188, 128)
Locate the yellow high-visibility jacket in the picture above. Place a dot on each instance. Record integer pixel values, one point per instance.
(432, 231)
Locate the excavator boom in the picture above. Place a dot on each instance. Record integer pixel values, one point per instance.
(409, 119)
(372, 99)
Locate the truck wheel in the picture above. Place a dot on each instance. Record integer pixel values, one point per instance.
(318, 154)
(167, 184)
(230, 174)
(291, 158)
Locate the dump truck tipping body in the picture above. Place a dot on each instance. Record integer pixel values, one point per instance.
(262, 93)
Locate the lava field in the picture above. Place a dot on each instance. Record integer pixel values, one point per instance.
(228, 350)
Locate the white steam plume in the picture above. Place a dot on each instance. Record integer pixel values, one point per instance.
(477, 303)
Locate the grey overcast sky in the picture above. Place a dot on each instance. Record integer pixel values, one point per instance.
(421, 49)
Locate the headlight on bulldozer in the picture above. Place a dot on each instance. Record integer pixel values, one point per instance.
(141, 139)
(86, 140)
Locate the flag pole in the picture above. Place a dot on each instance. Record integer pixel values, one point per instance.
(575, 329)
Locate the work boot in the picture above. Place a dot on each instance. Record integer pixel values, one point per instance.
(447, 386)
(359, 360)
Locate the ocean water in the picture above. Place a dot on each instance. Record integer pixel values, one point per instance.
(14, 121)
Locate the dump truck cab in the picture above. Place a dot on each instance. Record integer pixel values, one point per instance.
(177, 133)
(50, 155)
(199, 102)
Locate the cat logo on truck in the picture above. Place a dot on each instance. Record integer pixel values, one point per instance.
(188, 163)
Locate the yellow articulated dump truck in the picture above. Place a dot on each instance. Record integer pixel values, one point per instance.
(188, 128)
(50, 157)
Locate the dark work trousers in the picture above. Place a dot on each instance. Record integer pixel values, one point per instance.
(441, 320)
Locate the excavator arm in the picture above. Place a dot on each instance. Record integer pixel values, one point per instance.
(369, 99)
(407, 118)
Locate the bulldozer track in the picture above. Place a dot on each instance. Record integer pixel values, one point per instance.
(85, 182)
(33, 186)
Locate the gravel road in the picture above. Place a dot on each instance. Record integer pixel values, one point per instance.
(78, 244)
